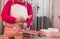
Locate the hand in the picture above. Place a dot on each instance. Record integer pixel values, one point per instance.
(30, 17)
(20, 20)
(22, 26)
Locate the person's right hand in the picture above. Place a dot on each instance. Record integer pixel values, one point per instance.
(20, 20)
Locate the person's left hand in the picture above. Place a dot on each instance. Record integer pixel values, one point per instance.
(30, 17)
(21, 26)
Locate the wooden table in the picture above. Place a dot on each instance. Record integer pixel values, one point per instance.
(2, 37)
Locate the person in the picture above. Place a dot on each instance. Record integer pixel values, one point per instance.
(11, 20)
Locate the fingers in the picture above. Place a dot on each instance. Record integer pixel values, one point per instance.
(20, 20)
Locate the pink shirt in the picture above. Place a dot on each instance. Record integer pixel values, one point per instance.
(9, 19)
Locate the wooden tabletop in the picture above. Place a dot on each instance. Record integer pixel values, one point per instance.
(2, 37)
